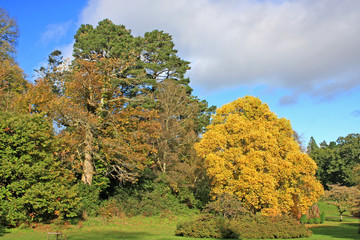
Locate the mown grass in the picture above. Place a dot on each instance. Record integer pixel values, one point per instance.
(156, 228)
(162, 228)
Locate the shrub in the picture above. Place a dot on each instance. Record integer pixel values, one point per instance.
(265, 227)
(150, 199)
(90, 200)
(322, 217)
(317, 220)
(246, 226)
(303, 219)
(111, 208)
(205, 226)
(227, 206)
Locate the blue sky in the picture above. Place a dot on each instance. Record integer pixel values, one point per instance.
(300, 57)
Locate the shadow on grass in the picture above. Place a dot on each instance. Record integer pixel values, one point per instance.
(342, 231)
(3, 231)
(109, 235)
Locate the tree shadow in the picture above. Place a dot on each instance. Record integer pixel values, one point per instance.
(3, 231)
(109, 235)
(343, 231)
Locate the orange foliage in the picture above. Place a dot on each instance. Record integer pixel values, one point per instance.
(100, 124)
(12, 83)
(252, 154)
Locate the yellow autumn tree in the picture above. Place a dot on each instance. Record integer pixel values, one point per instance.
(252, 154)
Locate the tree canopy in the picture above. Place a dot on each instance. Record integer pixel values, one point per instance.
(336, 160)
(252, 154)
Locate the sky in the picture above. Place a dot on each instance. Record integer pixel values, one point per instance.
(301, 57)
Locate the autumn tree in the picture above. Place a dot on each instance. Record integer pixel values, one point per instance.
(88, 102)
(8, 35)
(252, 154)
(153, 69)
(12, 80)
(344, 198)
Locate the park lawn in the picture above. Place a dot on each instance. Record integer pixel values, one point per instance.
(336, 230)
(157, 228)
(97, 228)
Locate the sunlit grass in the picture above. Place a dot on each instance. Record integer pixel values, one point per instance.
(162, 228)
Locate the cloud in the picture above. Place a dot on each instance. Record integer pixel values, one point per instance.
(67, 51)
(307, 47)
(54, 32)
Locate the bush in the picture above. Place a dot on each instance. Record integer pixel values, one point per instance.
(246, 226)
(322, 217)
(205, 226)
(227, 206)
(303, 219)
(265, 227)
(149, 199)
(90, 200)
(317, 220)
(111, 208)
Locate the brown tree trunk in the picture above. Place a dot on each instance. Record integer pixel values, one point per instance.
(88, 168)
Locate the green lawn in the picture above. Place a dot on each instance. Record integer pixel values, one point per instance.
(157, 228)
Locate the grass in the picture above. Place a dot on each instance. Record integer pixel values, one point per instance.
(162, 228)
(156, 228)
(151, 228)
(336, 230)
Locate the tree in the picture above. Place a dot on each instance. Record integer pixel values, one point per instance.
(151, 64)
(252, 154)
(35, 185)
(12, 84)
(111, 138)
(8, 35)
(336, 160)
(312, 146)
(344, 198)
(160, 59)
(12, 80)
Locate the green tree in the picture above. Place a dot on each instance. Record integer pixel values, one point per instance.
(312, 146)
(252, 154)
(160, 59)
(152, 64)
(337, 160)
(35, 185)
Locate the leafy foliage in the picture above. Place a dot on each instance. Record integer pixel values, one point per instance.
(247, 226)
(205, 226)
(336, 160)
(262, 227)
(12, 79)
(8, 35)
(344, 198)
(34, 185)
(253, 155)
(149, 197)
(226, 206)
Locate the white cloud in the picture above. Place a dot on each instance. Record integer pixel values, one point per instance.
(306, 46)
(54, 32)
(67, 51)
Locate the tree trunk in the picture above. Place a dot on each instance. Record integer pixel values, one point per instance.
(88, 168)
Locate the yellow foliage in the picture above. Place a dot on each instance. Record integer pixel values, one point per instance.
(252, 154)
